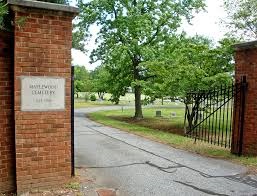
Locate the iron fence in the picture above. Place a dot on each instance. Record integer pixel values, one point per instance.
(209, 115)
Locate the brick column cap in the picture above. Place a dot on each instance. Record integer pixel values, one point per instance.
(44, 5)
(246, 45)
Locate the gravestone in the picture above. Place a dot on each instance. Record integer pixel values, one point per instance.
(158, 114)
(173, 114)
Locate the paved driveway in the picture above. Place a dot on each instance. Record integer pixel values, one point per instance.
(139, 167)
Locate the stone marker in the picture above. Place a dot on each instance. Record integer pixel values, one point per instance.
(173, 114)
(42, 93)
(158, 113)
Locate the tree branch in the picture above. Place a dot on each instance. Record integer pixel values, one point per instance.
(157, 31)
(135, 3)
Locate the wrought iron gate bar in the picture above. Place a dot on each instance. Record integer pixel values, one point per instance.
(209, 114)
(212, 113)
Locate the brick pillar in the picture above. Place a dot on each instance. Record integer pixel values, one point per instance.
(7, 143)
(42, 50)
(246, 65)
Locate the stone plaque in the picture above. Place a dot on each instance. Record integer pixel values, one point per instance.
(42, 93)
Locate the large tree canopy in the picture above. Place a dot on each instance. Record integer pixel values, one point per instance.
(242, 17)
(130, 32)
(190, 64)
(82, 81)
(100, 81)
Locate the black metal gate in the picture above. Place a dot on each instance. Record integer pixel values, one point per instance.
(209, 115)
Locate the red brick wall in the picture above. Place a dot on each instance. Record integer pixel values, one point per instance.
(246, 64)
(7, 144)
(43, 140)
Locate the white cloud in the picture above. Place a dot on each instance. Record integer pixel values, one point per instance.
(208, 23)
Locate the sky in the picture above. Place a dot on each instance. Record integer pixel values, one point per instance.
(205, 23)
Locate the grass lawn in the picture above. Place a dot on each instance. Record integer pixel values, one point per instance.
(164, 123)
(83, 104)
(127, 99)
(160, 129)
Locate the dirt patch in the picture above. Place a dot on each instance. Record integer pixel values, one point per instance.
(161, 124)
(106, 192)
(84, 184)
(71, 188)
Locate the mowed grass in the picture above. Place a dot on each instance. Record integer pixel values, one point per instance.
(83, 104)
(127, 99)
(156, 129)
(80, 101)
(165, 123)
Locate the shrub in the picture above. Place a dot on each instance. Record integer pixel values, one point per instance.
(92, 97)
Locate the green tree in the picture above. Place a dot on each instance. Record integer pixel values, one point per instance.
(82, 81)
(100, 81)
(130, 31)
(119, 78)
(155, 89)
(242, 17)
(191, 64)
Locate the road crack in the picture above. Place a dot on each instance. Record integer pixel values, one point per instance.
(209, 192)
(235, 178)
(163, 169)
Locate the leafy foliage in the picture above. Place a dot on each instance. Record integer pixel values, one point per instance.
(100, 81)
(130, 32)
(3, 13)
(82, 81)
(242, 17)
(77, 41)
(92, 97)
(190, 64)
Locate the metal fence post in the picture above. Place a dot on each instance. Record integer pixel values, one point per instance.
(243, 89)
(72, 123)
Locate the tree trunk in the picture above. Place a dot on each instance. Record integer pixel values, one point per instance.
(138, 88)
(162, 100)
(138, 105)
(101, 95)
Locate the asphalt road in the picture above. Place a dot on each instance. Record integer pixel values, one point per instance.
(139, 167)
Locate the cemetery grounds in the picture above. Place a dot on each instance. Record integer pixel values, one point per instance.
(167, 129)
